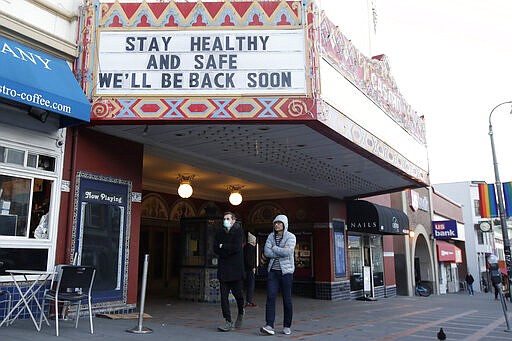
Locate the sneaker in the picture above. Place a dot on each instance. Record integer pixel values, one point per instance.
(226, 327)
(287, 331)
(268, 330)
(251, 305)
(239, 321)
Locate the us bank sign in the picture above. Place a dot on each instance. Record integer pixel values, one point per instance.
(201, 62)
(444, 229)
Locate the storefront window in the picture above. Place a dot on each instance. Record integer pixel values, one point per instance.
(16, 196)
(27, 182)
(303, 255)
(377, 259)
(356, 262)
(14, 156)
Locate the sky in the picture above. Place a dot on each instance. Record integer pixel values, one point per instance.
(452, 61)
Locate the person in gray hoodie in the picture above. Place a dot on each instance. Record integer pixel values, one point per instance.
(279, 250)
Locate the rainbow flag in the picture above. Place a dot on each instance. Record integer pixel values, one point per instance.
(488, 205)
(507, 193)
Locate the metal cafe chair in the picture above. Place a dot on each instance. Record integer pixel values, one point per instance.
(72, 285)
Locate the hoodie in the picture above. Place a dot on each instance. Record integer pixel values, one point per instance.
(285, 251)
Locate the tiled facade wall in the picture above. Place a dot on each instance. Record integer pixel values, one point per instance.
(15, 297)
(390, 291)
(200, 285)
(341, 291)
(9, 297)
(304, 288)
(332, 290)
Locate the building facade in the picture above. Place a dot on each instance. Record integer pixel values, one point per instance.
(39, 99)
(449, 235)
(478, 244)
(267, 98)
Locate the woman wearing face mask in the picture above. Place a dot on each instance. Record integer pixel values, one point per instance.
(230, 273)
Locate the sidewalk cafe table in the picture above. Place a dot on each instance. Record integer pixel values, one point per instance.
(38, 280)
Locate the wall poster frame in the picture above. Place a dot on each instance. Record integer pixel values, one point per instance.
(101, 233)
(340, 264)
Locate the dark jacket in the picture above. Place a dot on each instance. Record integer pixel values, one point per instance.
(231, 257)
(249, 257)
(469, 279)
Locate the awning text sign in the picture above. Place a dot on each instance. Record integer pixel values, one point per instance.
(447, 252)
(40, 80)
(201, 62)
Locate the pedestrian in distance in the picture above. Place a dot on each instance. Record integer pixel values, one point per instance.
(279, 251)
(469, 282)
(250, 269)
(228, 245)
(495, 273)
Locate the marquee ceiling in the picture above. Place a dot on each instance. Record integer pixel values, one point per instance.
(270, 161)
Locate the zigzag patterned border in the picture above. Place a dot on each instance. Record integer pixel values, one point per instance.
(183, 14)
(204, 108)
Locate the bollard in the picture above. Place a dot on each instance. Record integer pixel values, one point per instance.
(139, 329)
(504, 307)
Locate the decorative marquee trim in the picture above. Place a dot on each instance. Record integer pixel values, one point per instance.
(183, 14)
(273, 108)
(372, 76)
(363, 138)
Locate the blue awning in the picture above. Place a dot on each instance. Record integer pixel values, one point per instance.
(40, 80)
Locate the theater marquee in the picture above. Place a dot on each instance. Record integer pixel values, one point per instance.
(201, 62)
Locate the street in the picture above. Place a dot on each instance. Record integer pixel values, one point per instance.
(461, 316)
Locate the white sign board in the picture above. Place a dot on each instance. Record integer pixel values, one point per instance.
(201, 62)
(367, 278)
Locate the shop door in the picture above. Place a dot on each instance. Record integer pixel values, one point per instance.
(360, 257)
(417, 270)
(356, 262)
(160, 243)
(367, 261)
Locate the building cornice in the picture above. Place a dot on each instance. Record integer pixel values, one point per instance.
(26, 33)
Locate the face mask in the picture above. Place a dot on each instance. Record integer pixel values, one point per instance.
(227, 224)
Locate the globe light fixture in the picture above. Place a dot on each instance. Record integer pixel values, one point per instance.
(185, 189)
(235, 197)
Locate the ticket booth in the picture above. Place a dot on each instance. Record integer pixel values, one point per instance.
(198, 273)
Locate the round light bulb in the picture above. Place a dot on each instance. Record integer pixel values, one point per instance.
(235, 198)
(185, 190)
(412, 233)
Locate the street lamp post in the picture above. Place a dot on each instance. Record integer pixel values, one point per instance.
(501, 208)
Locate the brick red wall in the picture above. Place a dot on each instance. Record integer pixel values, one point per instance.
(91, 151)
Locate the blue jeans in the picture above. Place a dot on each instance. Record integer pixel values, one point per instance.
(277, 281)
(470, 289)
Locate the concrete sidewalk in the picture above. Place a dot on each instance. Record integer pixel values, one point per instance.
(462, 317)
